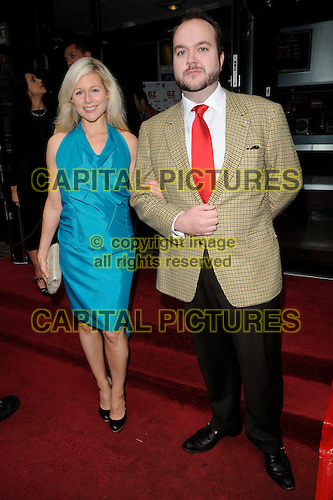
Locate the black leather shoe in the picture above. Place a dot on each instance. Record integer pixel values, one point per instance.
(204, 440)
(8, 406)
(278, 468)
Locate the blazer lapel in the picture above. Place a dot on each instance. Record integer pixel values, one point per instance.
(236, 131)
(175, 139)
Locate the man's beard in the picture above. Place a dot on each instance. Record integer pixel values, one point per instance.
(212, 78)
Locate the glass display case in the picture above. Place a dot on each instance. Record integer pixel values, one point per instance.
(305, 229)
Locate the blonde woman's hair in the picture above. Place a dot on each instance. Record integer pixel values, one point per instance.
(67, 117)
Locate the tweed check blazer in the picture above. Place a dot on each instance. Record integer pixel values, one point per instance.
(260, 176)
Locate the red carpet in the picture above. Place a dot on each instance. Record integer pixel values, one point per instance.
(56, 446)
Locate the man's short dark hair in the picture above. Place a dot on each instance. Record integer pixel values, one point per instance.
(198, 13)
(141, 94)
(79, 46)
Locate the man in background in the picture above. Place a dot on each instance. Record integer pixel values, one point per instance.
(75, 51)
(145, 109)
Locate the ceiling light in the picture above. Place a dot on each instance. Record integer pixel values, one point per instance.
(171, 5)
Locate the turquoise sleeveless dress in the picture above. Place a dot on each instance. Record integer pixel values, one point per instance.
(95, 232)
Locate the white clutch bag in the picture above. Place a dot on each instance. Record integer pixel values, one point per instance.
(55, 275)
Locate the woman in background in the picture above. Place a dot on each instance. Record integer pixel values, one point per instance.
(90, 159)
(32, 128)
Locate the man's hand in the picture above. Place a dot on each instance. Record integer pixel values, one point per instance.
(200, 220)
(42, 260)
(155, 188)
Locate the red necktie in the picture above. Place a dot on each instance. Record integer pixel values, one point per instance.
(203, 170)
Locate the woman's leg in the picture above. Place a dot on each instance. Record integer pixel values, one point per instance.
(116, 351)
(33, 257)
(93, 347)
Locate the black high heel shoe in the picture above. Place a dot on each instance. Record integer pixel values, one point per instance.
(117, 425)
(105, 414)
(43, 290)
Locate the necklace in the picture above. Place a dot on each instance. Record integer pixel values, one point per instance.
(39, 113)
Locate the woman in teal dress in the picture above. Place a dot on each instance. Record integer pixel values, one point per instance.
(91, 158)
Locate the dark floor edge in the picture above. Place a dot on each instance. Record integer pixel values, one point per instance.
(300, 366)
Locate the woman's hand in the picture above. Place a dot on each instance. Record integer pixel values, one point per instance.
(15, 197)
(155, 188)
(42, 260)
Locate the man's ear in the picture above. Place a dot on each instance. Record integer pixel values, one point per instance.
(87, 54)
(221, 60)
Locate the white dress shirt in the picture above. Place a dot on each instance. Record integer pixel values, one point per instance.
(215, 119)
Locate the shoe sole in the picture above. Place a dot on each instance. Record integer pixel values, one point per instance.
(116, 432)
(199, 451)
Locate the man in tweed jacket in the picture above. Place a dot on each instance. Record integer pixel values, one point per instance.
(221, 258)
